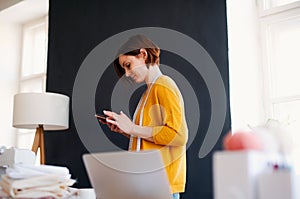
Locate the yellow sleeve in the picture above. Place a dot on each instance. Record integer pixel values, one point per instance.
(173, 132)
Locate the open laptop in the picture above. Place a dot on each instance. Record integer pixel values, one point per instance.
(127, 175)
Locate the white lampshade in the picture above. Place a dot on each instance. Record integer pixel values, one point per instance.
(48, 109)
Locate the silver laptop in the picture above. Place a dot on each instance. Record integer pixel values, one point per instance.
(128, 175)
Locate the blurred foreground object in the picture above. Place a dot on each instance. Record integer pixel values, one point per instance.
(242, 141)
(235, 173)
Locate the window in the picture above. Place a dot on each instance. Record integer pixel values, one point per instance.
(264, 46)
(280, 30)
(268, 4)
(33, 68)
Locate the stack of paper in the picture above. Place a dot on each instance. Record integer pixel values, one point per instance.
(28, 181)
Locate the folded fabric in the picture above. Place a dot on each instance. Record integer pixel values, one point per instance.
(20, 171)
(41, 181)
(37, 187)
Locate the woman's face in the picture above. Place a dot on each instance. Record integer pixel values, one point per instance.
(134, 66)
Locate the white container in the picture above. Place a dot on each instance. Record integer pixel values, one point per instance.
(235, 174)
(87, 193)
(279, 184)
(12, 156)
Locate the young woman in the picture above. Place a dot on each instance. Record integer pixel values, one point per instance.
(159, 120)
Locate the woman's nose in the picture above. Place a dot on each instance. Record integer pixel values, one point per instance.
(127, 72)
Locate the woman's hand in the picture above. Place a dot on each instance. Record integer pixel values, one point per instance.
(114, 128)
(119, 122)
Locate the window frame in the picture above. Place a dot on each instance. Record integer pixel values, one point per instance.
(266, 18)
(266, 10)
(26, 28)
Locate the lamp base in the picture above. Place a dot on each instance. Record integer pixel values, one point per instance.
(39, 143)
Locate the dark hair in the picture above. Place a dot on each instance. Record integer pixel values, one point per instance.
(132, 47)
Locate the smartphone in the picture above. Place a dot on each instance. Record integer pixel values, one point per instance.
(101, 117)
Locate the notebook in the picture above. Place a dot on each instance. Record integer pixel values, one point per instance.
(127, 175)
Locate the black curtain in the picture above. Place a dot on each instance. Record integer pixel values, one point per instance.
(76, 27)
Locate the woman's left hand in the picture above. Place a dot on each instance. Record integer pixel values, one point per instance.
(121, 121)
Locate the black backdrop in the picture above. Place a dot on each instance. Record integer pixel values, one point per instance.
(77, 26)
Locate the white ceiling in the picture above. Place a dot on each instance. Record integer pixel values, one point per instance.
(22, 11)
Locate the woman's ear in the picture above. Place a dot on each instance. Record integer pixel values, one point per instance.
(143, 53)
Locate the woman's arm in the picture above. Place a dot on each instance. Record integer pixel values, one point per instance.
(173, 128)
(122, 124)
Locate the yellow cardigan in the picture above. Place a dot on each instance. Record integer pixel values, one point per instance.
(164, 111)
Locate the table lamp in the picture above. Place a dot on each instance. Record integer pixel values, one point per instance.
(41, 111)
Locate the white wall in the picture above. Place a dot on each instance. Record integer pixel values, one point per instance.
(245, 66)
(10, 57)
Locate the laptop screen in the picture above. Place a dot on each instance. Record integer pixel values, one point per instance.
(128, 175)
